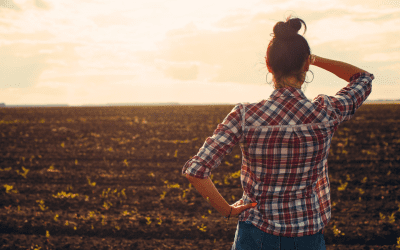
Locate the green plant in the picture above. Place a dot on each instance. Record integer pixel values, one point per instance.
(52, 169)
(9, 188)
(336, 231)
(63, 194)
(226, 182)
(162, 196)
(148, 222)
(236, 174)
(24, 173)
(107, 205)
(91, 183)
(228, 163)
(202, 228)
(126, 163)
(41, 205)
(123, 193)
(184, 194)
(342, 186)
(391, 218)
(92, 214)
(174, 185)
(105, 193)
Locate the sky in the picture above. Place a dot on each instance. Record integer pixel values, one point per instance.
(88, 52)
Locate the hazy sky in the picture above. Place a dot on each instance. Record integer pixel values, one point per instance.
(100, 51)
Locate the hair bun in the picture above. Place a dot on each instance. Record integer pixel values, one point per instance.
(287, 29)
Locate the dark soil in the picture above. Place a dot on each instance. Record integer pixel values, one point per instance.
(110, 178)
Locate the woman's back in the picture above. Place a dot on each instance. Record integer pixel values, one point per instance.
(285, 142)
(285, 146)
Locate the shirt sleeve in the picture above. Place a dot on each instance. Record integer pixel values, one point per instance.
(214, 149)
(349, 99)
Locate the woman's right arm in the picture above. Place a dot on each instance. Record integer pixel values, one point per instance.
(340, 69)
(351, 97)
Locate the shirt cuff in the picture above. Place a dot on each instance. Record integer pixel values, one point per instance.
(193, 168)
(361, 75)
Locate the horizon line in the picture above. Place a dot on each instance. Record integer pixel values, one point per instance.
(395, 101)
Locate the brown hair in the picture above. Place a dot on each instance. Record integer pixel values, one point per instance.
(287, 51)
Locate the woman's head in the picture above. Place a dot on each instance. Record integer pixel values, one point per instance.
(288, 52)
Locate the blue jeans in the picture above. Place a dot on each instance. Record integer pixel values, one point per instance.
(249, 237)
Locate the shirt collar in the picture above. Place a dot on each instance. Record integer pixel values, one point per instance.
(288, 91)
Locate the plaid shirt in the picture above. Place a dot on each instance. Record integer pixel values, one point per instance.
(285, 142)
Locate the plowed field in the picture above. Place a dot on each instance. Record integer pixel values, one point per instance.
(110, 178)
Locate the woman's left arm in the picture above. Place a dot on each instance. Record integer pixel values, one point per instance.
(208, 190)
(198, 169)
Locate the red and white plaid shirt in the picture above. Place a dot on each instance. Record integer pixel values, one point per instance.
(285, 142)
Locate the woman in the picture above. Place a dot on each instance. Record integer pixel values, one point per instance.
(285, 142)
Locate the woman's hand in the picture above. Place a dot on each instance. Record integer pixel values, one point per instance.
(312, 59)
(238, 207)
(208, 190)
